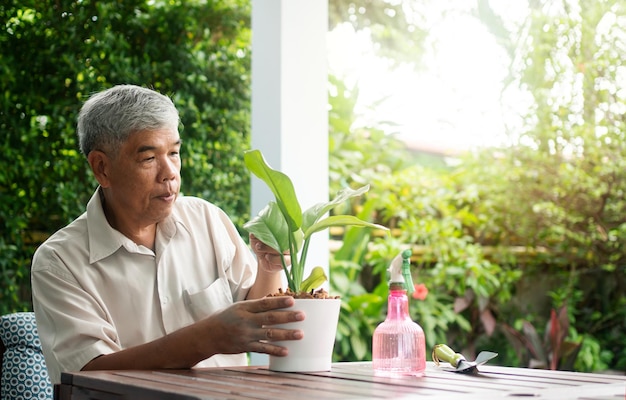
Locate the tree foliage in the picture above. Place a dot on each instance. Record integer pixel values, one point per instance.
(54, 54)
(513, 232)
(561, 187)
(396, 28)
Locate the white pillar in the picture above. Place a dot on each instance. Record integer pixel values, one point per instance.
(289, 106)
(289, 102)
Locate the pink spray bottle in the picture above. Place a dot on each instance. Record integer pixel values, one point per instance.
(399, 345)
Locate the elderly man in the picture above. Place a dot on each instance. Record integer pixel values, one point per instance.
(147, 278)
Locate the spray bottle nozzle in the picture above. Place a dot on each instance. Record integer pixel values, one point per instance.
(400, 271)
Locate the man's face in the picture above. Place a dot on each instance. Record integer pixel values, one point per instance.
(144, 178)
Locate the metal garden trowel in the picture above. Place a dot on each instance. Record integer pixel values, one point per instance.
(442, 352)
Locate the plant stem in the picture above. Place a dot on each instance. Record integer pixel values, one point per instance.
(286, 270)
(294, 282)
(305, 249)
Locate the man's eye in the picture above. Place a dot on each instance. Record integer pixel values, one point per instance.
(148, 159)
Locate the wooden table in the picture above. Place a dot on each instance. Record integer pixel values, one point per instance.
(345, 381)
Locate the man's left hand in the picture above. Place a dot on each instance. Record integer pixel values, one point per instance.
(269, 260)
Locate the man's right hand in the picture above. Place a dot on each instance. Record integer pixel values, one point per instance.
(246, 326)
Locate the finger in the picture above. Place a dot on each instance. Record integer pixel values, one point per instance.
(269, 303)
(277, 334)
(275, 258)
(268, 348)
(263, 248)
(279, 317)
(259, 246)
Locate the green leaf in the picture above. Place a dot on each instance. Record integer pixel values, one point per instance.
(314, 213)
(359, 346)
(315, 279)
(279, 184)
(270, 227)
(340, 220)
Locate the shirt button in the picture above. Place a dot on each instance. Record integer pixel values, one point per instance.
(165, 300)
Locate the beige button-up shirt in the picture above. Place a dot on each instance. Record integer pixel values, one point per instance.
(96, 292)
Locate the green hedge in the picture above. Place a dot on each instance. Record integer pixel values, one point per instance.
(54, 54)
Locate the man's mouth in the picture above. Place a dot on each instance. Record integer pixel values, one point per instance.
(169, 196)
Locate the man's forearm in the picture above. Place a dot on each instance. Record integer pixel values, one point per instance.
(162, 353)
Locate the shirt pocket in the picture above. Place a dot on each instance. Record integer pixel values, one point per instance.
(210, 300)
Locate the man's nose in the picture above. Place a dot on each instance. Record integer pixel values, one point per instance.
(169, 170)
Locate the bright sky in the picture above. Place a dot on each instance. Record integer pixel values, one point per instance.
(454, 103)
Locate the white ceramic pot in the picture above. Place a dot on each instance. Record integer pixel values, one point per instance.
(314, 352)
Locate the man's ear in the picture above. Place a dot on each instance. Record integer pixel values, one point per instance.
(100, 165)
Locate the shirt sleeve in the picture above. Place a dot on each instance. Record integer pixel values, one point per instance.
(69, 321)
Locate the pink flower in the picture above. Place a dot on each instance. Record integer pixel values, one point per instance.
(421, 291)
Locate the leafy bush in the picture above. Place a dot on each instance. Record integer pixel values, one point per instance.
(56, 53)
(512, 233)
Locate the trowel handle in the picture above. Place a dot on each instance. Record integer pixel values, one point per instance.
(442, 352)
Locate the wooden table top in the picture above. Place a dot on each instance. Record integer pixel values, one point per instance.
(353, 380)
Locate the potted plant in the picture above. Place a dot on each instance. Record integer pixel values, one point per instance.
(283, 226)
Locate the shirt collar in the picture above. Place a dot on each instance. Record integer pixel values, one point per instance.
(104, 240)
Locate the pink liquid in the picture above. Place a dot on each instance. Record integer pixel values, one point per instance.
(399, 345)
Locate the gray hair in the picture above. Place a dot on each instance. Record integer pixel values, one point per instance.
(108, 118)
